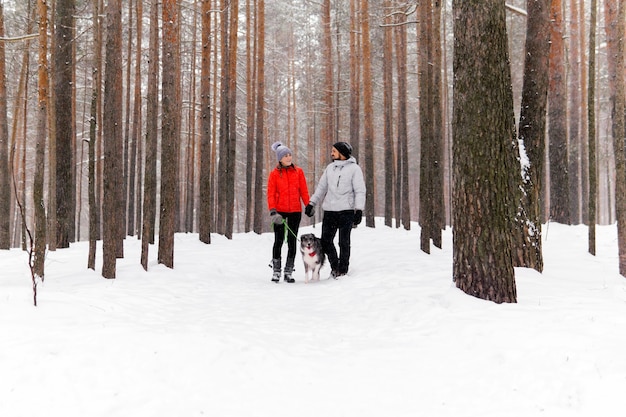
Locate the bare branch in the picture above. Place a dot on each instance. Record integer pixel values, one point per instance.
(517, 10)
(19, 38)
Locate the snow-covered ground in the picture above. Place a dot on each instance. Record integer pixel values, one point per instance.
(214, 337)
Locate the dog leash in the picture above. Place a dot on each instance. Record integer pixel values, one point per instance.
(287, 228)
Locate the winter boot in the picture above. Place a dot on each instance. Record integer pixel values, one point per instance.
(289, 271)
(276, 263)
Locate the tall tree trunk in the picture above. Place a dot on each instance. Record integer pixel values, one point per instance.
(191, 142)
(95, 99)
(401, 60)
(389, 166)
(484, 136)
(42, 119)
(250, 100)
(260, 209)
(431, 211)
(439, 220)
(223, 183)
(64, 130)
(355, 74)
(152, 114)
(51, 228)
(532, 129)
(215, 97)
(136, 166)
(368, 116)
(425, 70)
(99, 81)
(205, 217)
(169, 132)
(231, 150)
(328, 129)
(557, 119)
(5, 189)
(128, 214)
(591, 129)
(113, 145)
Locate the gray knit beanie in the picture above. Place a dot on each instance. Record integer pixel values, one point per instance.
(281, 150)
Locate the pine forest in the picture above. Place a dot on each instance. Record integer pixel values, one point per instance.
(148, 118)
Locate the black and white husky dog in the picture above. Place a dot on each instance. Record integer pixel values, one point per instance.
(312, 255)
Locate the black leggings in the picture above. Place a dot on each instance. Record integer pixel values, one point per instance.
(293, 222)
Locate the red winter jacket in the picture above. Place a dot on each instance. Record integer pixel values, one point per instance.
(286, 186)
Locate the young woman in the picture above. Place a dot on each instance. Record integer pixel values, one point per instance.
(286, 193)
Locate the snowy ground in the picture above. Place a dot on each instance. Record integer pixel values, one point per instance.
(214, 337)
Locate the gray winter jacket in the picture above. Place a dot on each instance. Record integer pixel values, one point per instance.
(341, 187)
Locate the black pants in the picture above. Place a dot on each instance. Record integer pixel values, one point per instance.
(337, 221)
(293, 222)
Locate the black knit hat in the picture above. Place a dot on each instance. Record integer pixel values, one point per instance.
(344, 148)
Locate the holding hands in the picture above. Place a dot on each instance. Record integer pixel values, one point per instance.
(309, 210)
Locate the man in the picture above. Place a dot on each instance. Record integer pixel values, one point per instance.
(342, 190)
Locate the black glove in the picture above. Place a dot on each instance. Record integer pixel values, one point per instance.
(358, 216)
(275, 217)
(309, 210)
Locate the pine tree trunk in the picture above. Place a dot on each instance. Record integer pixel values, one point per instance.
(260, 208)
(128, 207)
(64, 130)
(591, 129)
(222, 179)
(204, 217)
(557, 119)
(250, 93)
(42, 119)
(401, 62)
(328, 129)
(95, 98)
(439, 210)
(113, 141)
(5, 189)
(484, 147)
(389, 166)
(188, 158)
(532, 130)
(368, 116)
(231, 153)
(169, 132)
(152, 114)
(136, 166)
(425, 70)
(355, 75)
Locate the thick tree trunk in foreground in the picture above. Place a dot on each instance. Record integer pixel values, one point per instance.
(484, 136)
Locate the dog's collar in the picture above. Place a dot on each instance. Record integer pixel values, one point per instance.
(312, 253)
